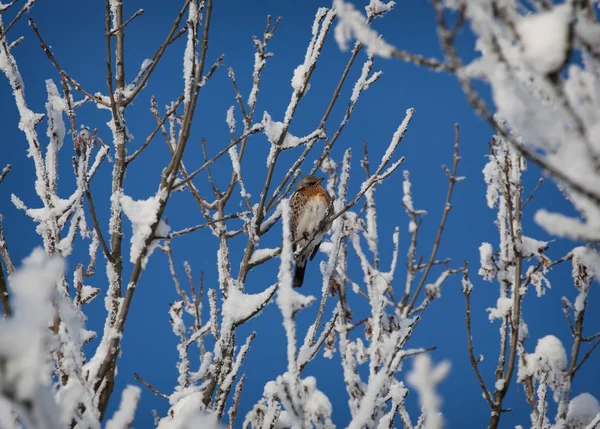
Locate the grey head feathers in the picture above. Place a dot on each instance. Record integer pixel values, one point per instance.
(308, 181)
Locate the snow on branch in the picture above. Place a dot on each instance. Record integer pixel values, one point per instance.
(142, 214)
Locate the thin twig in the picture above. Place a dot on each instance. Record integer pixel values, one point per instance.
(122, 26)
(537, 186)
(171, 111)
(474, 362)
(149, 386)
(54, 62)
(204, 225)
(96, 224)
(4, 172)
(452, 179)
(587, 355)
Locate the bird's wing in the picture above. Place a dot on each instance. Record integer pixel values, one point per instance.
(296, 202)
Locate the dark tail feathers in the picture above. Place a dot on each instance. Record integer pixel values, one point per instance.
(299, 274)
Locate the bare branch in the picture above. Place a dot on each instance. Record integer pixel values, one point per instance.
(4, 172)
(122, 26)
(149, 386)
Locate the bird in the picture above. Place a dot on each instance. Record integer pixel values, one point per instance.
(309, 205)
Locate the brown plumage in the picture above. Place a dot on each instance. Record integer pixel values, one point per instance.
(309, 205)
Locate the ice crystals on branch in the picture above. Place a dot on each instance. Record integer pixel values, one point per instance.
(377, 8)
(189, 57)
(364, 81)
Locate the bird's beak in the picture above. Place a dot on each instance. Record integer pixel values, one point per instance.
(320, 180)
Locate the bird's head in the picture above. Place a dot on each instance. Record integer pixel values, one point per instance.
(307, 181)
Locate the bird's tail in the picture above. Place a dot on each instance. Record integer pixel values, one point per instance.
(299, 273)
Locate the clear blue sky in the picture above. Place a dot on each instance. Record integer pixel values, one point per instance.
(75, 31)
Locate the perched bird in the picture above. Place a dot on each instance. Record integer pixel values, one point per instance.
(309, 204)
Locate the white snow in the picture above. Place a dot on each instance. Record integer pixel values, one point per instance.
(499, 384)
(239, 306)
(189, 57)
(544, 36)
(262, 254)
(488, 266)
(123, 417)
(364, 81)
(25, 337)
(231, 119)
(550, 353)
(533, 247)
(273, 130)
(582, 410)
(188, 412)
(424, 378)
(142, 214)
(353, 24)
(503, 306)
(378, 8)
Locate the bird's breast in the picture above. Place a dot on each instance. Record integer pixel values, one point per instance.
(313, 213)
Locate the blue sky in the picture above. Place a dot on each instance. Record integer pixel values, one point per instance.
(75, 32)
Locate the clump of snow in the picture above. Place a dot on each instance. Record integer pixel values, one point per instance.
(240, 306)
(499, 384)
(188, 412)
(273, 130)
(544, 36)
(142, 214)
(532, 247)
(549, 362)
(582, 410)
(488, 265)
(550, 354)
(299, 76)
(503, 306)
